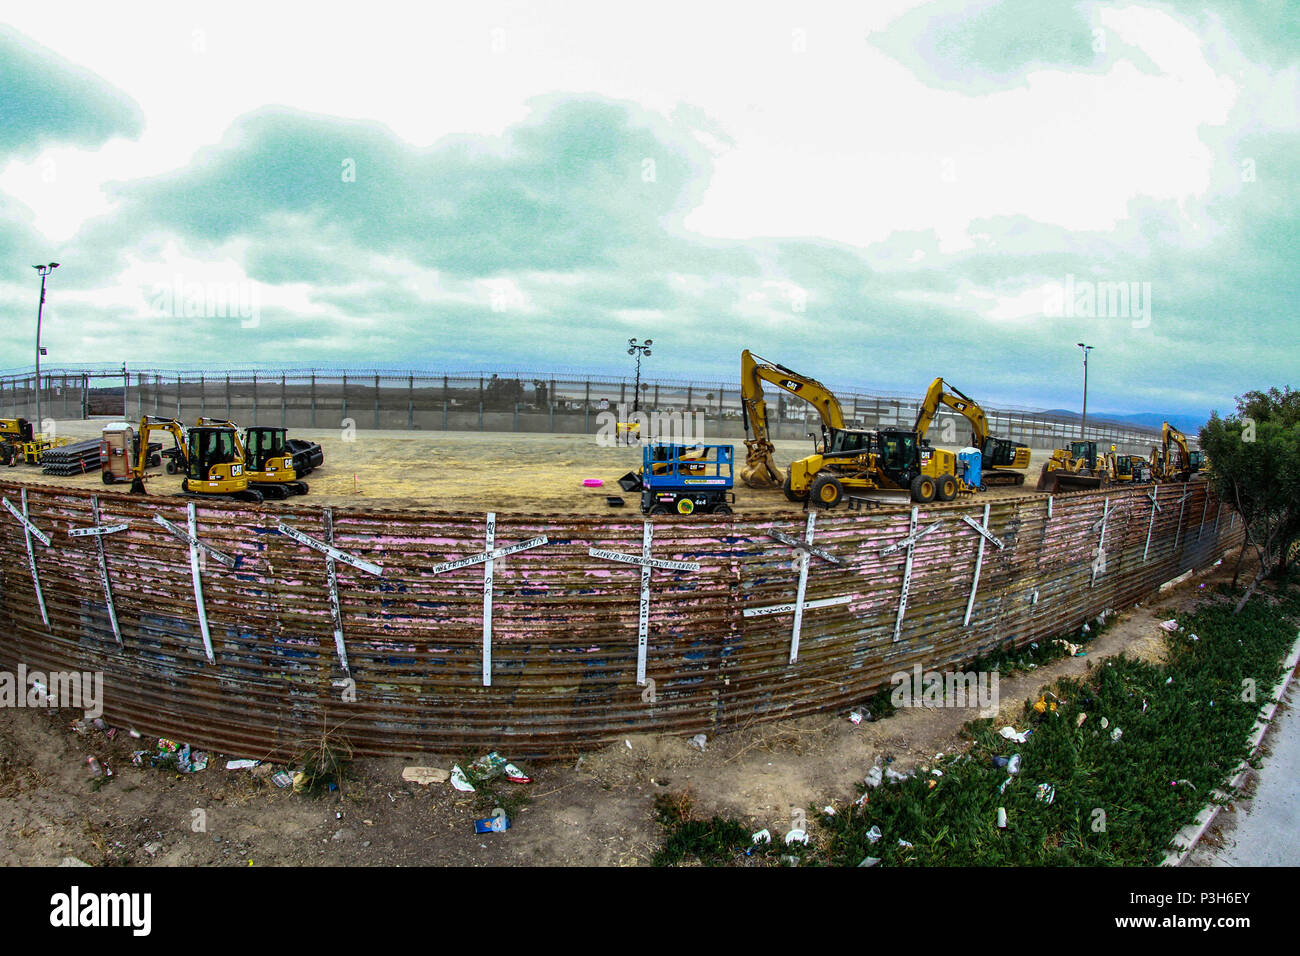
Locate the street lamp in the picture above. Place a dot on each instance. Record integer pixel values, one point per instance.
(1083, 424)
(638, 351)
(44, 271)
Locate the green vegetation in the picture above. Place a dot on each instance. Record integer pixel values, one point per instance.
(1254, 466)
(1117, 800)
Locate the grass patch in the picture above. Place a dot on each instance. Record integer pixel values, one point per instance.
(1184, 727)
(712, 842)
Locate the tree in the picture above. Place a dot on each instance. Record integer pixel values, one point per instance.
(1254, 466)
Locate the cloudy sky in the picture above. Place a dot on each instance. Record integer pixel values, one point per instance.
(874, 194)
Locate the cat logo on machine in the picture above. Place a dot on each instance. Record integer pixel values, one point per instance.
(791, 385)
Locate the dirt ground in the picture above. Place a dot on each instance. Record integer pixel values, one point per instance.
(470, 471)
(597, 812)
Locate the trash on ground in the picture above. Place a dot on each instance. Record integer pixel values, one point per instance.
(515, 775)
(459, 781)
(874, 776)
(874, 833)
(1116, 734)
(762, 836)
(1046, 793)
(282, 778)
(699, 741)
(425, 775)
(498, 823)
(869, 861)
(1002, 818)
(242, 764)
(1078, 721)
(1170, 625)
(1013, 765)
(1010, 733)
(797, 835)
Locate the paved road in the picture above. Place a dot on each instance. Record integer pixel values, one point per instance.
(1265, 830)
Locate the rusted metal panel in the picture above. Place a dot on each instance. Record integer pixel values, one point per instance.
(565, 622)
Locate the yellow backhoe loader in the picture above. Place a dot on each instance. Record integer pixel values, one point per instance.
(846, 459)
(1003, 462)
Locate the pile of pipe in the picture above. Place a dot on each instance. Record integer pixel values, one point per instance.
(74, 459)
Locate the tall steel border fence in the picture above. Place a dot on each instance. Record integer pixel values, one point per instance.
(232, 641)
(531, 402)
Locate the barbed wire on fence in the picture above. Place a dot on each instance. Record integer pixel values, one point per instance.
(423, 393)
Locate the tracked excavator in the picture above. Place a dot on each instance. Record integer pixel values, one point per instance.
(270, 463)
(1003, 462)
(1174, 467)
(845, 459)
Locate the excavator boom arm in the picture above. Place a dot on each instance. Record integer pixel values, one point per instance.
(941, 393)
(760, 468)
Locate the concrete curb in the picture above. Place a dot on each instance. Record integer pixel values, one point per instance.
(1186, 839)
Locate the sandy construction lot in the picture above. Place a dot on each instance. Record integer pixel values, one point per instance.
(467, 471)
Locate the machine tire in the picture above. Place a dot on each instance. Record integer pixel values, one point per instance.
(185, 484)
(946, 489)
(826, 492)
(171, 466)
(108, 478)
(923, 489)
(661, 510)
(789, 491)
(686, 507)
(721, 509)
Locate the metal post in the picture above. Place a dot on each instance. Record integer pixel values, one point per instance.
(345, 394)
(376, 403)
(313, 398)
(178, 397)
(254, 398)
(227, 396)
(284, 403)
(410, 401)
(203, 395)
(157, 394)
(444, 414)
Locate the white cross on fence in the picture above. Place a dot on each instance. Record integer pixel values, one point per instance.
(1154, 495)
(913, 536)
(30, 529)
(487, 558)
(806, 552)
(333, 554)
(985, 535)
(647, 564)
(97, 531)
(191, 538)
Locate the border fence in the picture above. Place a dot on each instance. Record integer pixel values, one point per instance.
(522, 402)
(404, 635)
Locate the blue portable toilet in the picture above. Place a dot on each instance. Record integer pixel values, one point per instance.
(970, 461)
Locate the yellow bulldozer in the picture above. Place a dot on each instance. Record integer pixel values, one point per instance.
(845, 459)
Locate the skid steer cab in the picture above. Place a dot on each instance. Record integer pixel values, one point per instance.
(686, 479)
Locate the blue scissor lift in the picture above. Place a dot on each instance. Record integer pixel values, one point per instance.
(685, 479)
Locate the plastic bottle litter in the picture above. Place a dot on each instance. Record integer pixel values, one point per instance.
(1013, 765)
(874, 776)
(699, 742)
(1002, 818)
(893, 776)
(874, 834)
(96, 769)
(1116, 734)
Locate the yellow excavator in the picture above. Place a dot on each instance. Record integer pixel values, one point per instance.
(268, 461)
(997, 455)
(1169, 467)
(846, 459)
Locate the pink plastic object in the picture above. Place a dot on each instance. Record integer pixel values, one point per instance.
(592, 482)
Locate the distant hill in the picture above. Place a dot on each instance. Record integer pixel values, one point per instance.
(1189, 425)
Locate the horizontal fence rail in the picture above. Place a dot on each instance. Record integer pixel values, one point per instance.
(537, 652)
(530, 402)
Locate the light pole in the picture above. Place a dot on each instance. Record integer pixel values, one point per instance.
(40, 307)
(638, 351)
(1083, 424)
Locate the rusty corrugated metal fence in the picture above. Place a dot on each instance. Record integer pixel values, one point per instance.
(564, 623)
